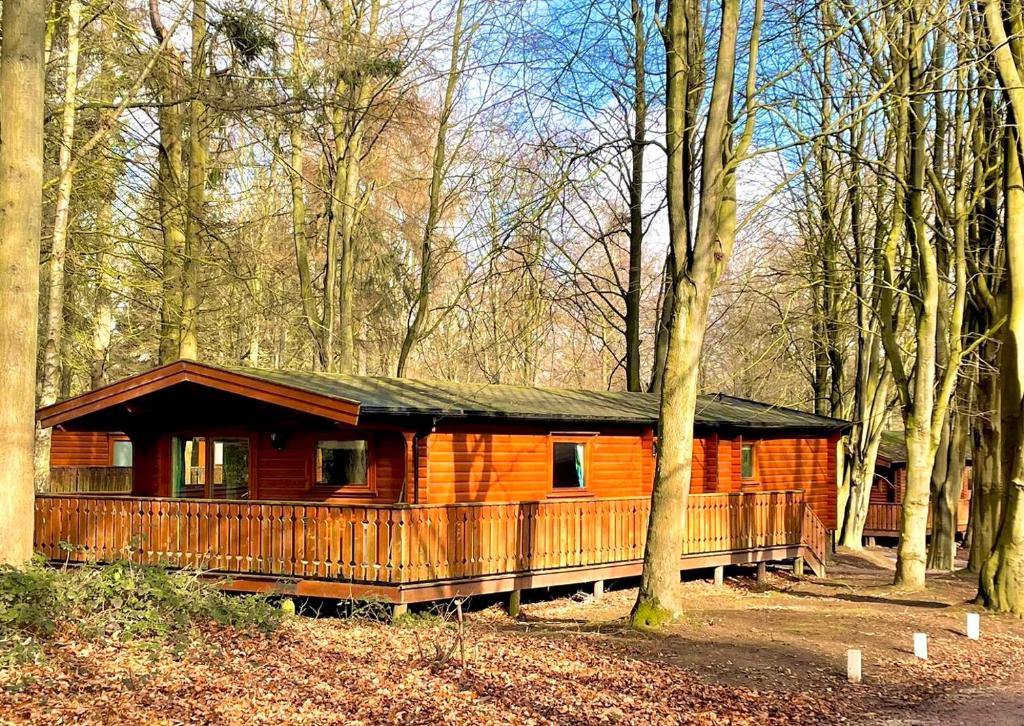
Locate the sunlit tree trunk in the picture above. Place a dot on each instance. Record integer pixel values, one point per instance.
(699, 266)
(636, 196)
(198, 162)
(103, 305)
(1002, 575)
(169, 81)
(49, 387)
(435, 198)
(23, 27)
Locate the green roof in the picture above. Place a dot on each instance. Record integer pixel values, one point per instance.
(404, 396)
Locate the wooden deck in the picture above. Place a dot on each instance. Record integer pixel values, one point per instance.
(412, 553)
(883, 520)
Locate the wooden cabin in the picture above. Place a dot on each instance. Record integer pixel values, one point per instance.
(354, 486)
(890, 484)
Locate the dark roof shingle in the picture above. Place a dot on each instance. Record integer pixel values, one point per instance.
(397, 396)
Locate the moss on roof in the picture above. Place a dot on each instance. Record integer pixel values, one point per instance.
(403, 396)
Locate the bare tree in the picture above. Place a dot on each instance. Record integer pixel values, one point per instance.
(697, 267)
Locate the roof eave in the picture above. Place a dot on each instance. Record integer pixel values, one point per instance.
(156, 379)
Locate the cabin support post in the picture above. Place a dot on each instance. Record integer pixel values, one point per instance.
(598, 589)
(410, 484)
(398, 610)
(762, 573)
(720, 575)
(798, 567)
(515, 599)
(871, 542)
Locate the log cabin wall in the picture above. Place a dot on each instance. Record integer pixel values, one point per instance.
(82, 448)
(283, 472)
(462, 462)
(507, 463)
(781, 461)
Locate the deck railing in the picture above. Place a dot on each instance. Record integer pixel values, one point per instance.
(883, 519)
(399, 543)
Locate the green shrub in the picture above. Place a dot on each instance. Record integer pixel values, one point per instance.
(121, 600)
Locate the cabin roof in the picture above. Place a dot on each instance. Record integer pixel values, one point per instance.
(893, 447)
(382, 396)
(397, 396)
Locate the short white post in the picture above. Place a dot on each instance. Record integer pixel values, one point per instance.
(973, 626)
(921, 645)
(853, 665)
(598, 589)
(719, 575)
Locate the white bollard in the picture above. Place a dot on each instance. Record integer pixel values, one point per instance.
(973, 626)
(853, 665)
(921, 645)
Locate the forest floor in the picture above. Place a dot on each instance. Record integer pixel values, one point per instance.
(743, 653)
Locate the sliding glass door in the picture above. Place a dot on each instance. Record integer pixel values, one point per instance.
(210, 467)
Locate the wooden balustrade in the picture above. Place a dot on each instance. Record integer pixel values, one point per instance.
(399, 543)
(90, 480)
(814, 534)
(884, 519)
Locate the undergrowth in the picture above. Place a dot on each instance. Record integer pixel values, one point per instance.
(122, 601)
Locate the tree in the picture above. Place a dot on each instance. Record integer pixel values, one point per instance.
(697, 267)
(54, 324)
(438, 200)
(169, 83)
(21, 182)
(1002, 576)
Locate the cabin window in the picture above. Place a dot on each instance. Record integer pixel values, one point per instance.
(210, 467)
(747, 461)
(121, 453)
(568, 465)
(342, 463)
(230, 469)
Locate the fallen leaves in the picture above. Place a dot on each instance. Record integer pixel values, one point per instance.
(565, 665)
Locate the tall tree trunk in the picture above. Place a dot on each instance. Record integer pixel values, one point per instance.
(198, 162)
(947, 482)
(313, 320)
(699, 267)
(352, 200)
(636, 196)
(169, 80)
(987, 490)
(919, 405)
(49, 387)
(103, 304)
(23, 27)
(435, 203)
(872, 377)
(1002, 575)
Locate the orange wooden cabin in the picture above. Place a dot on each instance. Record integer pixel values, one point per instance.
(349, 486)
(890, 484)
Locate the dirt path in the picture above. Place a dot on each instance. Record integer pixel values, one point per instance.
(793, 635)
